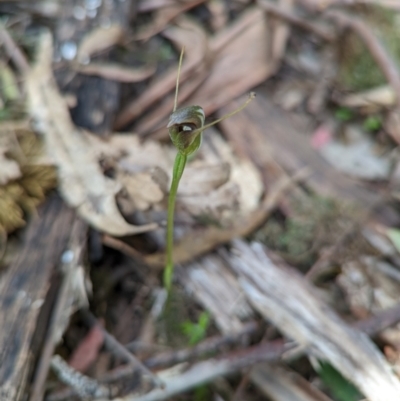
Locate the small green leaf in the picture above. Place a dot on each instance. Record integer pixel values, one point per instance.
(196, 331)
(343, 114)
(340, 387)
(372, 123)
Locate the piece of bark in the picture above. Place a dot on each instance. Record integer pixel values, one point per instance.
(217, 289)
(286, 299)
(23, 288)
(282, 384)
(69, 295)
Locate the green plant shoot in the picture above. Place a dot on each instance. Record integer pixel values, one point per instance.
(185, 127)
(196, 332)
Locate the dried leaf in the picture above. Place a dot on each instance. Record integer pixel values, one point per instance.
(280, 34)
(370, 285)
(212, 185)
(9, 169)
(219, 14)
(164, 16)
(144, 188)
(219, 206)
(24, 180)
(116, 72)
(244, 44)
(98, 40)
(202, 179)
(185, 33)
(87, 350)
(82, 182)
(222, 191)
(11, 214)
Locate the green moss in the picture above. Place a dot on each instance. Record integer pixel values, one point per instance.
(316, 222)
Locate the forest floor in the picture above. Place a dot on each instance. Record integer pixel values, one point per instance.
(286, 283)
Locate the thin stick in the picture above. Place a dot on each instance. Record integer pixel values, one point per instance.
(177, 78)
(14, 52)
(118, 349)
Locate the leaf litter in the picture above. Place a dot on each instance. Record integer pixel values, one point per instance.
(228, 193)
(82, 182)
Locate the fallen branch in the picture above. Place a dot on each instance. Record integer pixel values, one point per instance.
(285, 298)
(204, 372)
(70, 296)
(84, 386)
(169, 358)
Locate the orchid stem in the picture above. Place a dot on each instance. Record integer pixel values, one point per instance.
(179, 166)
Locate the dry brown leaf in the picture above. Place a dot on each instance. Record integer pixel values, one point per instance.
(242, 192)
(280, 34)
(144, 189)
(370, 286)
(116, 72)
(244, 45)
(164, 16)
(82, 182)
(219, 14)
(220, 205)
(87, 350)
(98, 40)
(201, 179)
(212, 184)
(219, 184)
(9, 169)
(190, 35)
